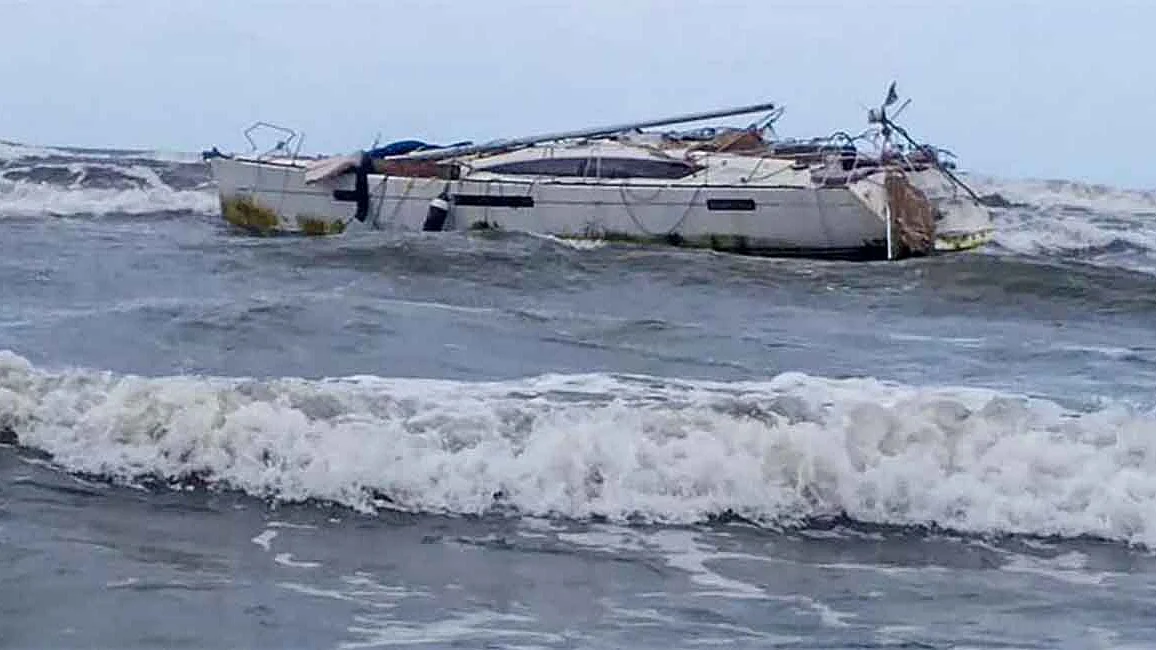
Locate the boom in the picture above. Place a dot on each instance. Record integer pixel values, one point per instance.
(494, 145)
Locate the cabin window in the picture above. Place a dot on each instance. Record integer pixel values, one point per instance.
(542, 167)
(638, 168)
(596, 167)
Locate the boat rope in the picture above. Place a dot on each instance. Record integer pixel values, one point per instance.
(398, 204)
(770, 174)
(653, 197)
(753, 176)
(642, 227)
(934, 159)
(380, 200)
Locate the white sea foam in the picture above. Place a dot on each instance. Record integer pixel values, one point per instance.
(286, 559)
(30, 199)
(1089, 235)
(453, 628)
(1054, 217)
(571, 242)
(684, 550)
(24, 198)
(1070, 568)
(378, 624)
(791, 447)
(265, 539)
(285, 524)
(694, 632)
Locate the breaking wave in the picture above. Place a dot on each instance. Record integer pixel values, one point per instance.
(783, 451)
(38, 181)
(1081, 222)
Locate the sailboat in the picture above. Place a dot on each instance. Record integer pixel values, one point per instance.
(879, 195)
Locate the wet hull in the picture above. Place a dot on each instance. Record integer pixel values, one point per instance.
(784, 220)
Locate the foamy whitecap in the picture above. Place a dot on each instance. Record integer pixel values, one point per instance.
(46, 181)
(26, 199)
(571, 242)
(791, 447)
(1056, 193)
(1099, 224)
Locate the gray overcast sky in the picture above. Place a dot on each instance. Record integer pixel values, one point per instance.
(1043, 89)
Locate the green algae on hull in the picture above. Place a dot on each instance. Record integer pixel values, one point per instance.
(246, 213)
(319, 227)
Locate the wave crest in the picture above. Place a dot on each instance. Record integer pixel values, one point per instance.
(782, 451)
(1092, 224)
(51, 182)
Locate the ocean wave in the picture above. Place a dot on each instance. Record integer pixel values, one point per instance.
(1052, 194)
(48, 181)
(76, 189)
(1093, 224)
(783, 451)
(15, 151)
(37, 200)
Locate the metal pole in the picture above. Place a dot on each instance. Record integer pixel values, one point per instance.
(463, 150)
(887, 215)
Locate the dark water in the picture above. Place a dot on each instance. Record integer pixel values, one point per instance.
(507, 441)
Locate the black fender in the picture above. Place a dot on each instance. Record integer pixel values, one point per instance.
(439, 209)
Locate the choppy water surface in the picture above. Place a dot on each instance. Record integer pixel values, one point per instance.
(460, 440)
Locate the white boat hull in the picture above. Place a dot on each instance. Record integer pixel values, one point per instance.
(791, 217)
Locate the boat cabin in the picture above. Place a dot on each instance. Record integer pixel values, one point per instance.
(601, 160)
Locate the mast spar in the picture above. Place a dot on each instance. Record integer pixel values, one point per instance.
(494, 145)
